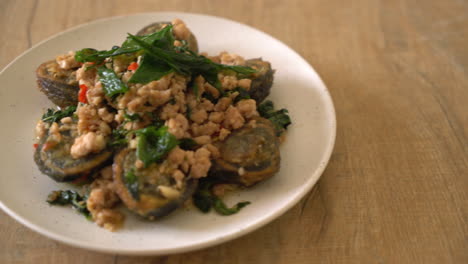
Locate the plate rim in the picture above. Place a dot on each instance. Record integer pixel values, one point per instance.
(314, 177)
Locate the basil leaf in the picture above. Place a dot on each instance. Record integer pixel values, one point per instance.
(243, 94)
(131, 182)
(189, 63)
(279, 118)
(111, 83)
(77, 201)
(195, 91)
(204, 199)
(92, 55)
(132, 117)
(164, 56)
(154, 144)
(158, 122)
(118, 138)
(155, 120)
(85, 55)
(221, 208)
(189, 111)
(161, 38)
(149, 70)
(53, 116)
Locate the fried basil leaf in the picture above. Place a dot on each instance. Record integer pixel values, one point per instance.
(111, 83)
(53, 116)
(131, 181)
(279, 118)
(118, 138)
(204, 199)
(161, 38)
(221, 208)
(77, 201)
(150, 70)
(154, 144)
(189, 63)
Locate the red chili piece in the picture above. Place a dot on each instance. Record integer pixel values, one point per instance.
(133, 66)
(82, 94)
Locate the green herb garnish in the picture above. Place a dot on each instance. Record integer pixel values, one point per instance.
(93, 55)
(53, 116)
(161, 37)
(189, 63)
(154, 144)
(132, 117)
(221, 208)
(159, 57)
(243, 94)
(111, 83)
(156, 121)
(77, 201)
(118, 138)
(204, 199)
(149, 70)
(195, 91)
(131, 181)
(279, 118)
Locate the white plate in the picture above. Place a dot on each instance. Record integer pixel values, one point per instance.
(310, 140)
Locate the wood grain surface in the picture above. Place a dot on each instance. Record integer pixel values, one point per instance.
(396, 188)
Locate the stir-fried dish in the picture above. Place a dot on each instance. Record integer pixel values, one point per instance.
(153, 125)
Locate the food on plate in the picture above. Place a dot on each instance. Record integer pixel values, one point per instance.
(150, 192)
(156, 125)
(248, 155)
(181, 33)
(262, 80)
(57, 78)
(58, 82)
(53, 155)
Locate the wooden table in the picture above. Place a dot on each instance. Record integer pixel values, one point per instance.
(396, 188)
